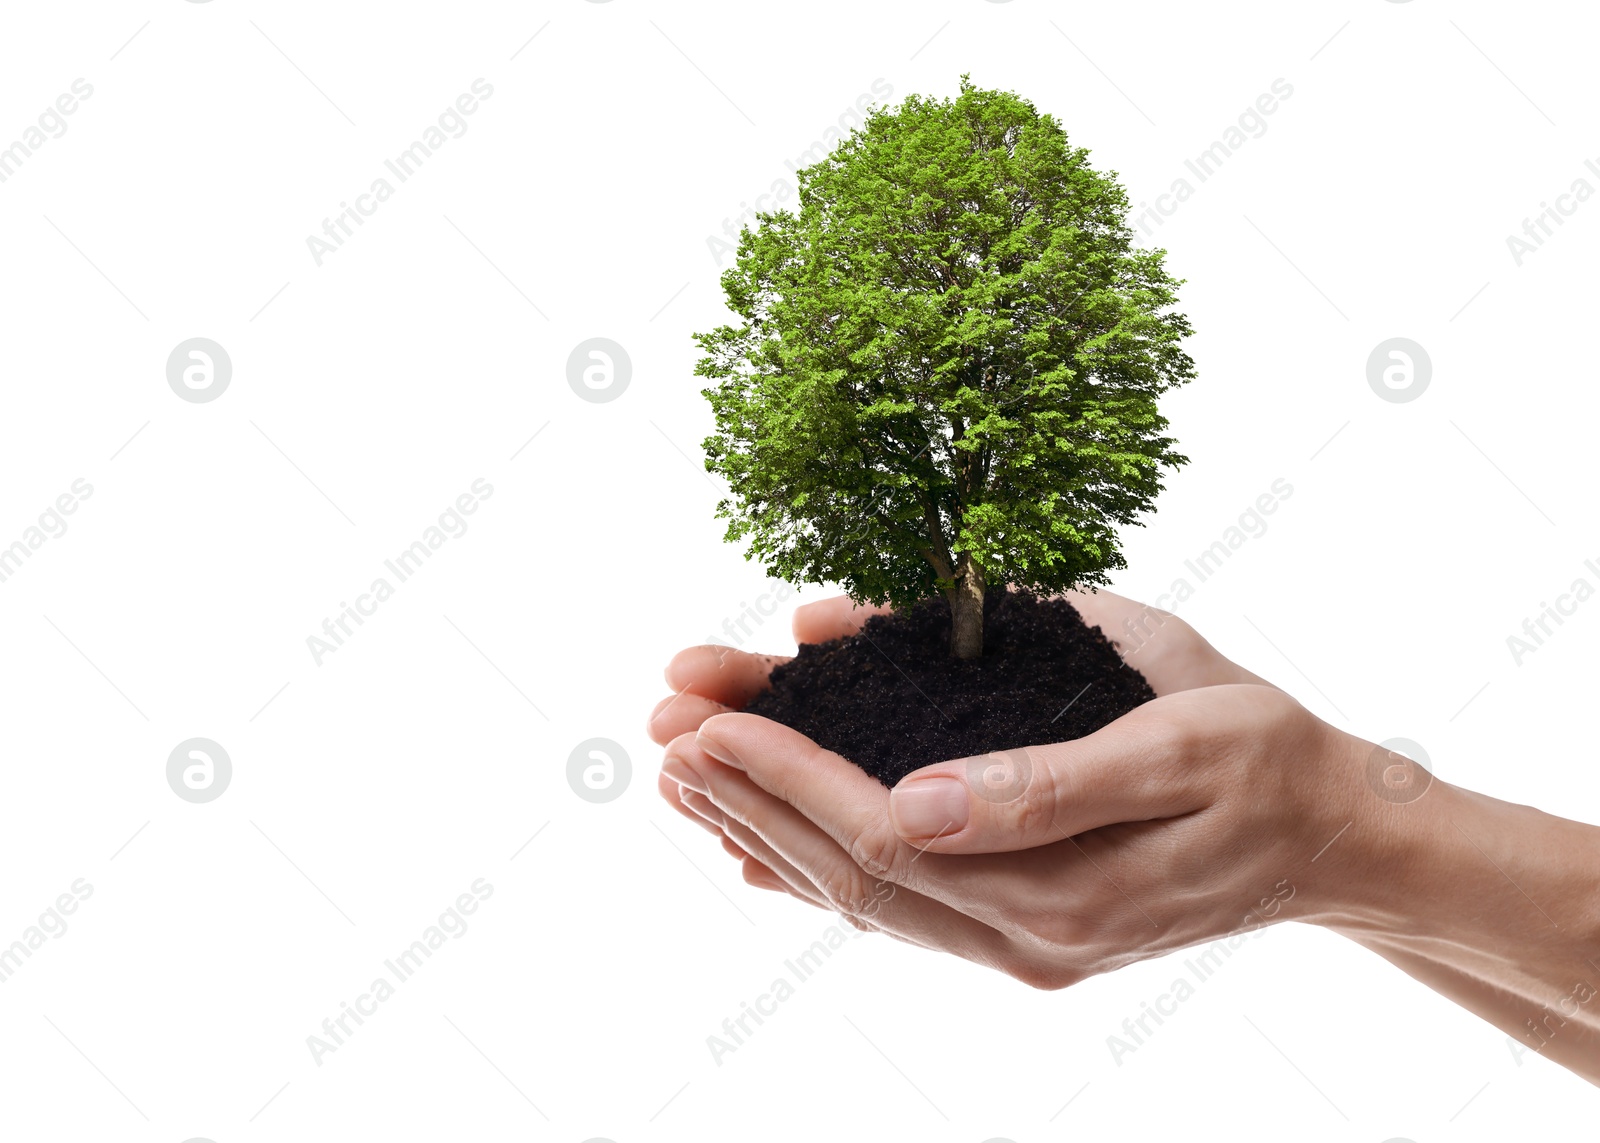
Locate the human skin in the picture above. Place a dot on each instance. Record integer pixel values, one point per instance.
(1219, 806)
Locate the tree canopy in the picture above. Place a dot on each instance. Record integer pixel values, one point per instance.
(947, 368)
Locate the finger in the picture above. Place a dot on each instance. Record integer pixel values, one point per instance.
(798, 882)
(795, 882)
(831, 619)
(679, 713)
(703, 808)
(845, 885)
(873, 905)
(851, 809)
(1146, 765)
(673, 794)
(721, 674)
(840, 798)
(689, 792)
(760, 876)
(699, 809)
(866, 902)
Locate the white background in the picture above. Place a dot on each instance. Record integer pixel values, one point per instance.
(370, 391)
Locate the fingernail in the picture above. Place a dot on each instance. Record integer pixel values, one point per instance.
(929, 807)
(683, 774)
(717, 750)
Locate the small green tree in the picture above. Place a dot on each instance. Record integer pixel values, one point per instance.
(947, 371)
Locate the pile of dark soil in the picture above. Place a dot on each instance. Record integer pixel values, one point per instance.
(891, 699)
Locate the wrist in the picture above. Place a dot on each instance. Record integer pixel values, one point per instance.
(1441, 874)
(1383, 872)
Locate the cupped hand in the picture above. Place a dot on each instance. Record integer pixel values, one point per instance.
(1219, 806)
(1196, 815)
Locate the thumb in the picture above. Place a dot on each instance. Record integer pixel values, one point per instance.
(1037, 795)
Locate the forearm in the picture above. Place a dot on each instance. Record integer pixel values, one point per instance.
(1494, 905)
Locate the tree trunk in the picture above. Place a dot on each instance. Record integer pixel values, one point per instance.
(966, 610)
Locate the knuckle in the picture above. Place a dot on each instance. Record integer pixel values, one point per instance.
(1034, 812)
(1188, 734)
(852, 892)
(1184, 736)
(879, 853)
(1288, 712)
